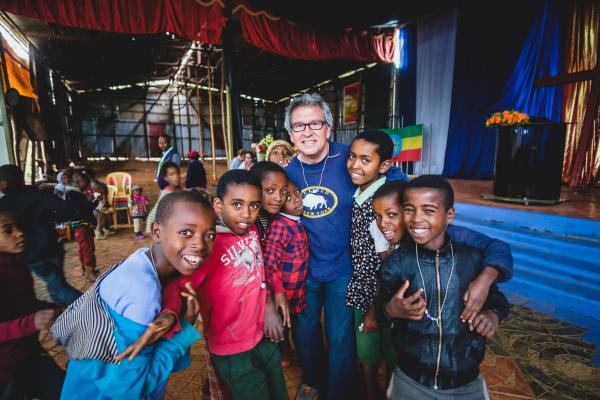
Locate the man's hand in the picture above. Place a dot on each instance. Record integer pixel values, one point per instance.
(273, 326)
(156, 330)
(192, 308)
(45, 318)
(485, 323)
(281, 305)
(477, 293)
(369, 320)
(412, 307)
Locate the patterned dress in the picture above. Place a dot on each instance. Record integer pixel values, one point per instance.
(365, 261)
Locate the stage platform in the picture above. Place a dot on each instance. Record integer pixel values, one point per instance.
(578, 202)
(556, 251)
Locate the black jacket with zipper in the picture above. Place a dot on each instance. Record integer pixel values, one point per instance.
(445, 356)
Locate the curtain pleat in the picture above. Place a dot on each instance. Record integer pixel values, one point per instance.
(582, 55)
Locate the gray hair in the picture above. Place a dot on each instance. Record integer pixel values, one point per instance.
(307, 99)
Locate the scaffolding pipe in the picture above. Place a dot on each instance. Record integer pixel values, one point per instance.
(187, 112)
(210, 121)
(198, 113)
(223, 118)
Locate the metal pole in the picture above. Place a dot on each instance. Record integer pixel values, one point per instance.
(210, 121)
(144, 122)
(198, 112)
(223, 118)
(187, 112)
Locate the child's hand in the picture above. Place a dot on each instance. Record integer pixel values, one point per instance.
(156, 330)
(485, 323)
(370, 321)
(281, 304)
(45, 318)
(273, 327)
(477, 293)
(412, 307)
(192, 307)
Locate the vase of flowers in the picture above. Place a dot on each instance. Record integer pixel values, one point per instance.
(529, 155)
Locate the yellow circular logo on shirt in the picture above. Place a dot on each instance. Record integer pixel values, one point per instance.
(318, 201)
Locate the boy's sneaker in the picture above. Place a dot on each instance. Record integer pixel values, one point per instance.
(306, 392)
(99, 235)
(109, 232)
(140, 236)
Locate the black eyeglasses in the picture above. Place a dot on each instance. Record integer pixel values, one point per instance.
(313, 125)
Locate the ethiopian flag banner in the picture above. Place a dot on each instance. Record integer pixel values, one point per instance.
(408, 142)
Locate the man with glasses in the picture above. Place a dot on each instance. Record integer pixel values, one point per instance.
(319, 171)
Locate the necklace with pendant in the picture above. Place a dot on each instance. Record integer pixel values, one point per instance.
(322, 171)
(427, 313)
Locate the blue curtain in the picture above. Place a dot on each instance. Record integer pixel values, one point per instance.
(487, 52)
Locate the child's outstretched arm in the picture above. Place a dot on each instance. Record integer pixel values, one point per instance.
(27, 325)
(161, 325)
(497, 262)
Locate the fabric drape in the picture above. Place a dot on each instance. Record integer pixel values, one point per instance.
(582, 54)
(276, 35)
(436, 41)
(190, 19)
(487, 49)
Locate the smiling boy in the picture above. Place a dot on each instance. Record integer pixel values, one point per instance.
(232, 291)
(438, 355)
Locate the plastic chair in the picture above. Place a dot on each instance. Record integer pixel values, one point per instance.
(116, 203)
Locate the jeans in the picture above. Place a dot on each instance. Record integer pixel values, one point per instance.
(308, 338)
(51, 272)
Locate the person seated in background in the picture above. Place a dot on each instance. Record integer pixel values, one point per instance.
(248, 162)
(280, 152)
(63, 179)
(237, 160)
(196, 174)
(26, 370)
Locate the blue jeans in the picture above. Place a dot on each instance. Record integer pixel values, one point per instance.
(51, 272)
(308, 338)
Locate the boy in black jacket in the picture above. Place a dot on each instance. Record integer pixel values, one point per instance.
(37, 212)
(422, 287)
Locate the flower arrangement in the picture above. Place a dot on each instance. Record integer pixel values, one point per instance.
(507, 117)
(266, 141)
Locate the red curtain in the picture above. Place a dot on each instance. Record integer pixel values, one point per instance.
(191, 19)
(278, 36)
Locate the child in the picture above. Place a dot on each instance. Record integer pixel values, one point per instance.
(102, 210)
(232, 292)
(422, 285)
(81, 221)
(274, 181)
(130, 293)
(63, 179)
(248, 161)
(37, 212)
(286, 253)
(26, 370)
(369, 158)
(138, 205)
(169, 173)
(196, 174)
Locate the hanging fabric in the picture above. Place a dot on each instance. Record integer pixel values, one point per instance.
(487, 49)
(436, 41)
(582, 54)
(278, 36)
(191, 19)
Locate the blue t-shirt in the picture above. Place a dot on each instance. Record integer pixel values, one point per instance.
(327, 211)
